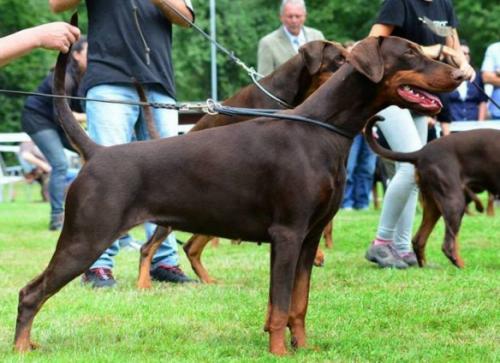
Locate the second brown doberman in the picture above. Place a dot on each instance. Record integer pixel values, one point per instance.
(271, 180)
(292, 83)
(449, 172)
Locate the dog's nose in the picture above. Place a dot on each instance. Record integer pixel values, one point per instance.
(458, 75)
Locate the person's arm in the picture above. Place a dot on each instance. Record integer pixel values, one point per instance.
(58, 6)
(379, 30)
(57, 36)
(32, 159)
(491, 78)
(181, 6)
(483, 111)
(459, 57)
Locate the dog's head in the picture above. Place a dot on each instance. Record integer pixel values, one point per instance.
(321, 59)
(406, 76)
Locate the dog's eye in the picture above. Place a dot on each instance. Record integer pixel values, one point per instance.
(339, 59)
(410, 52)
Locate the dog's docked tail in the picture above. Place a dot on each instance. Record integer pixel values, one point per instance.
(76, 135)
(411, 157)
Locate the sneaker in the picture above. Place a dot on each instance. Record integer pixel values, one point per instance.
(385, 256)
(173, 274)
(56, 222)
(99, 277)
(410, 258)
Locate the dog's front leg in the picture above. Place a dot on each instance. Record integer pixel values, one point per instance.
(300, 293)
(148, 250)
(285, 249)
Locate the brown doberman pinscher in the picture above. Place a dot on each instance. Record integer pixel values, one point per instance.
(449, 172)
(292, 82)
(272, 180)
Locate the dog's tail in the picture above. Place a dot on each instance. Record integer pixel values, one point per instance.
(148, 112)
(76, 135)
(411, 157)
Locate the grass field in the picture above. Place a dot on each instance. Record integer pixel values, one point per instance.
(357, 312)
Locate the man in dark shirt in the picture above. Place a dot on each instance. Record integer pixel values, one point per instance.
(130, 39)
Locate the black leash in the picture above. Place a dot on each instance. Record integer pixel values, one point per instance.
(133, 103)
(484, 93)
(211, 107)
(250, 70)
(236, 111)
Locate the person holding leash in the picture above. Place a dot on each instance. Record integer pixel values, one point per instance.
(430, 23)
(131, 39)
(57, 36)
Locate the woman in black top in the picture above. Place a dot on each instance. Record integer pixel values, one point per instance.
(432, 24)
(40, 123)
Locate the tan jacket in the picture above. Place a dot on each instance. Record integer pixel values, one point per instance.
(275, 49)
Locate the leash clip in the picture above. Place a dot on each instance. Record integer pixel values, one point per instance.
(211, 107)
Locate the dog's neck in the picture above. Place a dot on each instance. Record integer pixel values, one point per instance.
(347, 100)
(290, 82)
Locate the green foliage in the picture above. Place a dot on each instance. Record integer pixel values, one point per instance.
(240, 24)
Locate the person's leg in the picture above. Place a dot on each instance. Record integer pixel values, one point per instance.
(348, 201)
(166, 259)
(50, 145)
(106, 130)
(404, 227)
(364, 174)
(402, 135)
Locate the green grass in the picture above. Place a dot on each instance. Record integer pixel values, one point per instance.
(357, 313)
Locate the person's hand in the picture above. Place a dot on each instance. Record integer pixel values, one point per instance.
(452, 57)
(57, 35)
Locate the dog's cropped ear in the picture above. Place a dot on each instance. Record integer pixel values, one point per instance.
(367, 59)
(312, 55)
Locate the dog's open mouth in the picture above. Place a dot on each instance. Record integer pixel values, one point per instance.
(425, 100)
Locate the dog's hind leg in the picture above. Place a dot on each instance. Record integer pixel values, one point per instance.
(285, 250)
(453, 215)
(193, 249)
(430, 216)
(490, 210)
(300, 292)
(74, 254)
(148, 250)
(328, 235)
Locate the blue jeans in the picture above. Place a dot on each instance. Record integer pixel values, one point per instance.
(51, 144)
(360, 169)
(111, 124)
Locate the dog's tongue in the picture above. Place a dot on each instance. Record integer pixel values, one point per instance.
(430, 99)
(423, 98)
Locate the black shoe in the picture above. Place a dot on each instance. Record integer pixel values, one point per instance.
(173, 274)
(99, 277)
(56, 222)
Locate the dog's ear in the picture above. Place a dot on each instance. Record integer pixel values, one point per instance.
(367, 59)
(312, 55)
